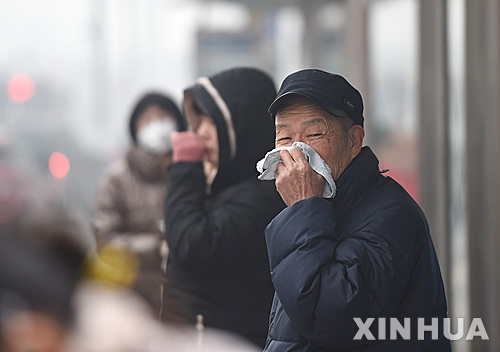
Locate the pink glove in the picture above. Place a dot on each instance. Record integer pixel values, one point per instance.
(187, 146)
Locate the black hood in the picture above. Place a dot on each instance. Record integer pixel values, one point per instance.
(237, 100)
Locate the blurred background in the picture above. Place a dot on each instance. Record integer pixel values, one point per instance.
(429, 72)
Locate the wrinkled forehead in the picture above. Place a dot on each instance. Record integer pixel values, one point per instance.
(301, 123)
(302, 111)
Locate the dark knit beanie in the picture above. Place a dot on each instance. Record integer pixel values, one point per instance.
(157, 99)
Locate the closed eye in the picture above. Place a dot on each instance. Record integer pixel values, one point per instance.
(283, 139)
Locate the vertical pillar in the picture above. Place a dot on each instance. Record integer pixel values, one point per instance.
(483, 164)
(310, 9)
(356, 47)
(433, 125)
(100, 76)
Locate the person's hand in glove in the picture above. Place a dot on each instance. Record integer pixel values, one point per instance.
(187, 146)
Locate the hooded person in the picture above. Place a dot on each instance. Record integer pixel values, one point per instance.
(128, 211)
(216, 209)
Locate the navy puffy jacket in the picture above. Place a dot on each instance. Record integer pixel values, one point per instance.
(367, 253)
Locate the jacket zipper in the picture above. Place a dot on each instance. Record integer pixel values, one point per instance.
(270, 328)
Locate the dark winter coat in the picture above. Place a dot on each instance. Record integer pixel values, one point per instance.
(218, 265)
(367, 253)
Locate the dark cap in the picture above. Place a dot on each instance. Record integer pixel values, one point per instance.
(330, 91)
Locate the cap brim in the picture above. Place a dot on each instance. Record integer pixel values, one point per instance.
(331, 109)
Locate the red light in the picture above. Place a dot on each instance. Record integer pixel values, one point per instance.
(58, 165)
(21, 88)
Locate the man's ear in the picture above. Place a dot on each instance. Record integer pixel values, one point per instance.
(356, 135)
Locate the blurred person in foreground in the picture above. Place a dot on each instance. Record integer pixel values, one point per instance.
(364, 252)
(129, 203)
(56, 296)
(216, 209)
(40, 268)
(113, 318)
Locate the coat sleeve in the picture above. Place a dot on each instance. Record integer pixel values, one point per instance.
(324, 281)
(226, 232)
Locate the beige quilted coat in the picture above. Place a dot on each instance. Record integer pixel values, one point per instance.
(129, 202)
(128, 213)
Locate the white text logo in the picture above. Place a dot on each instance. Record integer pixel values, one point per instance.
(476, 329)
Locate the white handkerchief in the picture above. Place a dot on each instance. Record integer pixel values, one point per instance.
(269, 165)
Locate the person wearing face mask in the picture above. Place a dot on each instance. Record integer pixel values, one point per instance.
(216, 209)
(128, 209)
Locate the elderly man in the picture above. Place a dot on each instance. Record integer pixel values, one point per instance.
(357, 271)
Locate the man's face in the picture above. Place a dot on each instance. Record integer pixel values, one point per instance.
(300, 120)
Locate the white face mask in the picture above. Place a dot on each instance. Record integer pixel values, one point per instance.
(155, 136)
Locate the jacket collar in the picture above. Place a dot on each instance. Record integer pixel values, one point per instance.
(362, 169)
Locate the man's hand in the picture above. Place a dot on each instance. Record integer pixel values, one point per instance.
(295, 179)
(187, 146)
